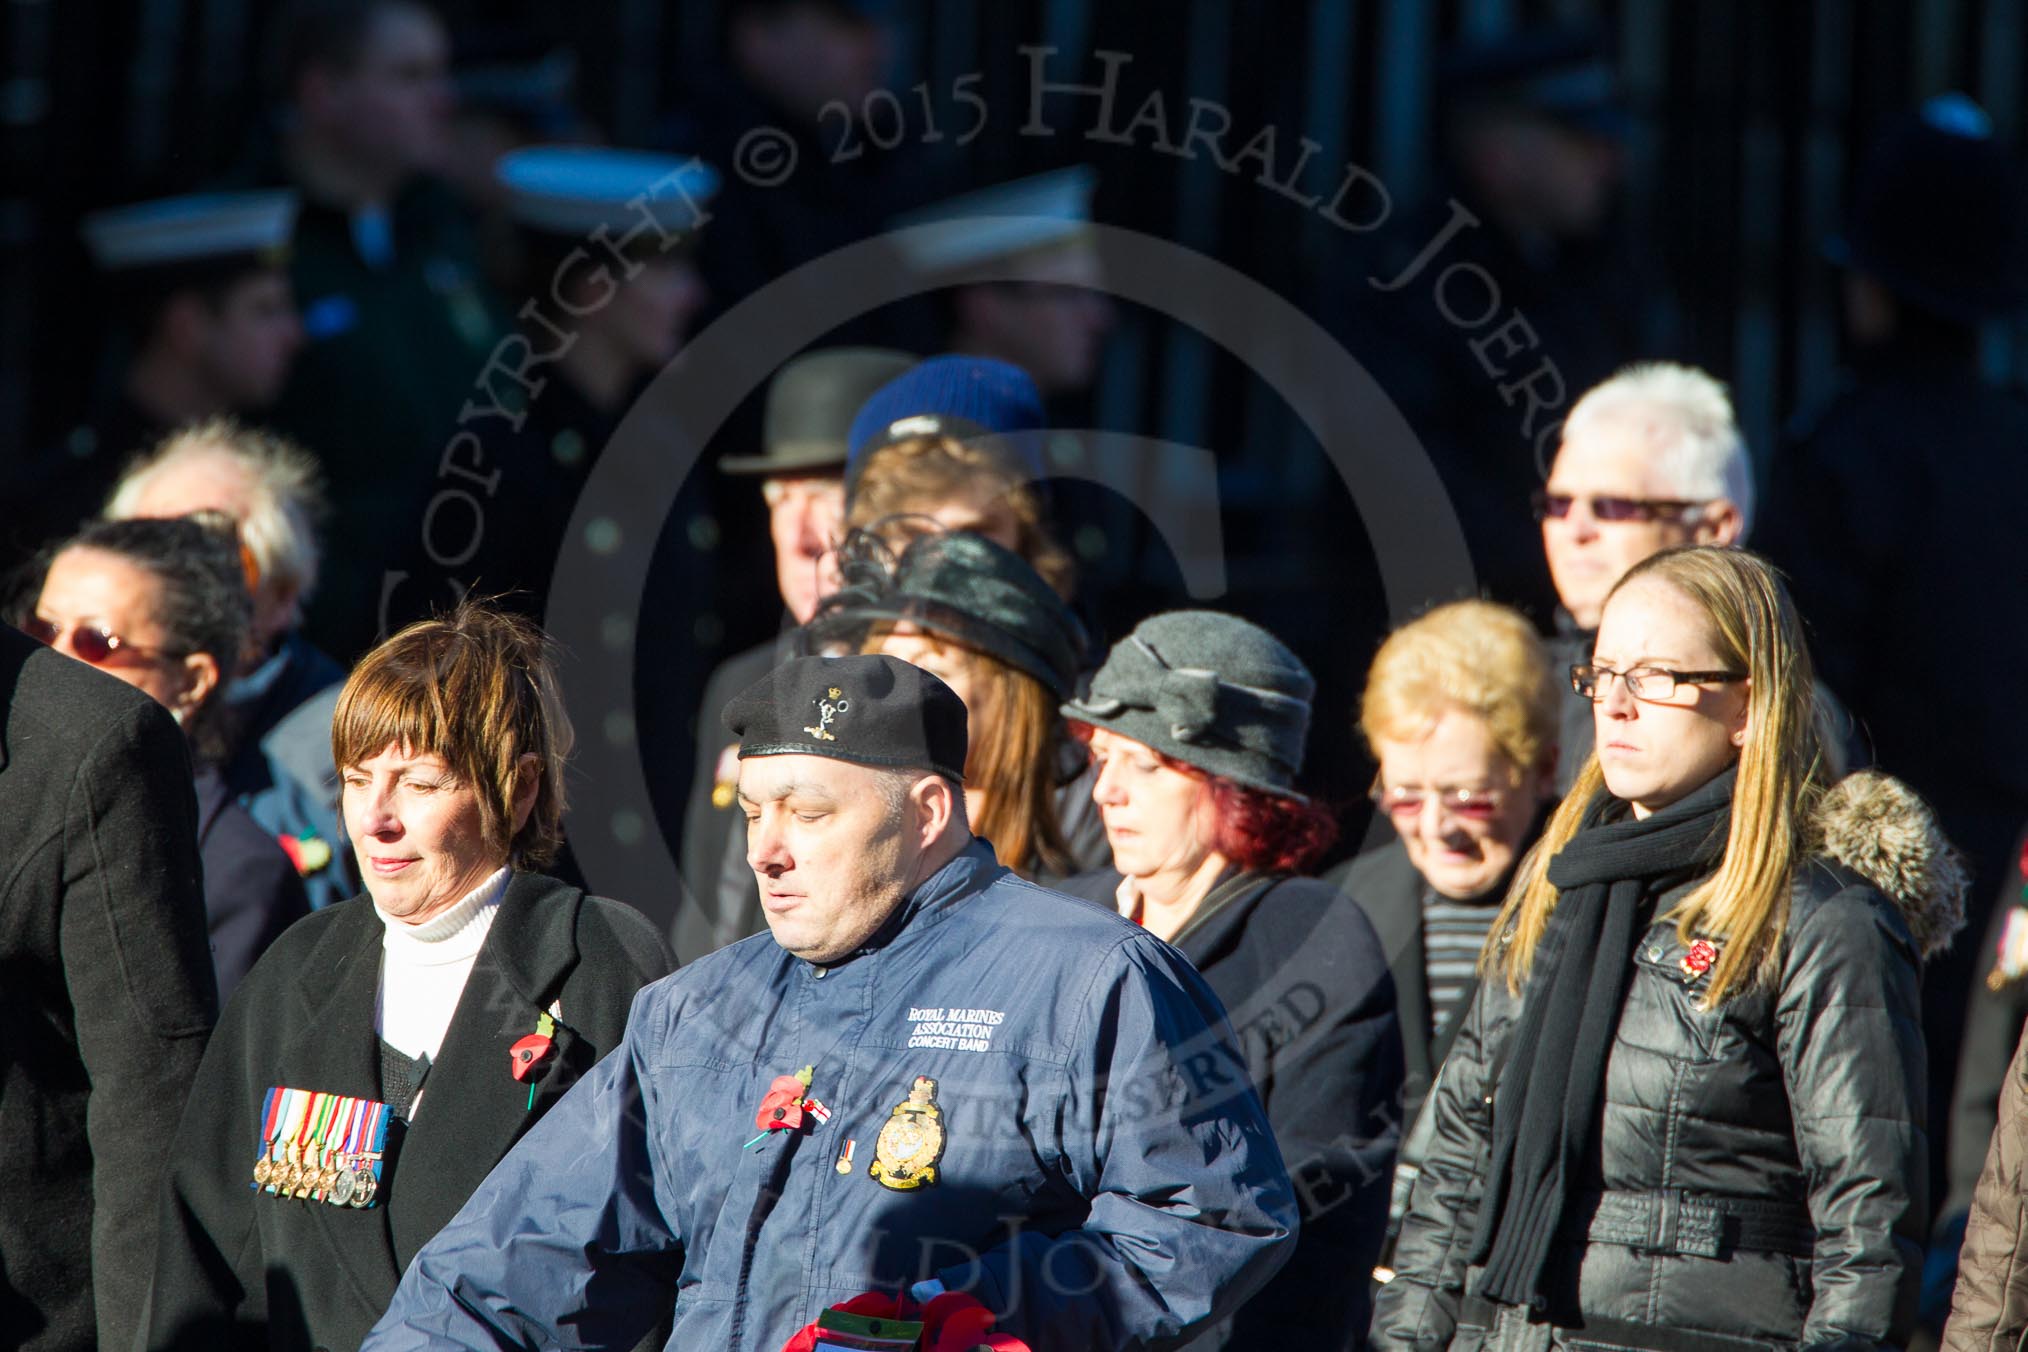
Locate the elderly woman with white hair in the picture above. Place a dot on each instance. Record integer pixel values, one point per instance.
(279, 701)
(1650, 459)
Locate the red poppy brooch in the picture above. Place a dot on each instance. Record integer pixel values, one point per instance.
(1699, 959)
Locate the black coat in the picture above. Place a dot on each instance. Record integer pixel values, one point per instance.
(1895, 508)
(239, 1269)
(1305, 983)
(416, 332)
(251, 891)
(1802, 1098)
(106, 991)
(1388, 889)
(1393, 895)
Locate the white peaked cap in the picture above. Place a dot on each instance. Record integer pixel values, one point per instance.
(575, 190)
(1002, 221)
(189, 229)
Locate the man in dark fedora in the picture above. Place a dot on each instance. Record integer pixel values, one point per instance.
(930, 1083)
(801, 467)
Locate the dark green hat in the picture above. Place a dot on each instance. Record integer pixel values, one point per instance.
(963, 587)
(810, 406)
(1210, 690)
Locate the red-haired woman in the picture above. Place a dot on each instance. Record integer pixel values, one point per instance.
(1196, 726)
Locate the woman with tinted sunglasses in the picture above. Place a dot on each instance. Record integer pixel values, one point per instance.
(1196, 726)
(163, 606)
(1460, 710)
(1685, 1108)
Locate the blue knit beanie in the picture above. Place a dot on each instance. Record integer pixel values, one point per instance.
(962, 397)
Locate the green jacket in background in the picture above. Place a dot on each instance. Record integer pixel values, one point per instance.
(391, 355)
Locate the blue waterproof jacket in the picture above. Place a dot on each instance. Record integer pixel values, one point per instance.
(1104, 1176)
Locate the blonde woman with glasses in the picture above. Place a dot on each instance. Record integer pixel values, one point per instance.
(1685, 1110)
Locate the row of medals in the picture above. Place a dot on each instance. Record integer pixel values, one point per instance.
(342, 1185)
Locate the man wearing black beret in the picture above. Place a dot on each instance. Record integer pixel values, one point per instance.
(931, 1081)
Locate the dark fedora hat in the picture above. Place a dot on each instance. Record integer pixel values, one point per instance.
(962, 587)
(810, 406)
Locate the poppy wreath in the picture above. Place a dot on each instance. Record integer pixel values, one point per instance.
(952, 1322)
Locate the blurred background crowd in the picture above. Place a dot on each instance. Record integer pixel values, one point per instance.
(375, 282)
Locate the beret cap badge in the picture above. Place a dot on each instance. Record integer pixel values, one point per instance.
(899, 716)
(829, 706)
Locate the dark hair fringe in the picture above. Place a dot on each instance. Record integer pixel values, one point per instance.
(204, 605)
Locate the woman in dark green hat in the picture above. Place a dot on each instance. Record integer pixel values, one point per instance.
(981, 619)
(1196, 725)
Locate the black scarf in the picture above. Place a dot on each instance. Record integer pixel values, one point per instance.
(1547, 1103)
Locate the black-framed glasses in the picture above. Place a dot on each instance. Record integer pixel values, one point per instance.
(1653, 684)
(1606, 507)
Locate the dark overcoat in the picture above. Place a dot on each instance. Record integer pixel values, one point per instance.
(1305, 982)
(236, 1268)
(252, 893)
(106, 991)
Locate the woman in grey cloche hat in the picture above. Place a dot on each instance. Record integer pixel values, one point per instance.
(1196, 725)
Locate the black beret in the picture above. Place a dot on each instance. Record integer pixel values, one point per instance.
(868, 708)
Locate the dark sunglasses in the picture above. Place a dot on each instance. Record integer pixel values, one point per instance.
(1558, 505)
(94, 643)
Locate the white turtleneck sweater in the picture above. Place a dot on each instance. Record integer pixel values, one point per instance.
(423, 968)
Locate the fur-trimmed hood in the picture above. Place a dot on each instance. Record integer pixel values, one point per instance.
(1879, 828)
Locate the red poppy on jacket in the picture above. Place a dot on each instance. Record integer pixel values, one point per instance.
(782, 1108)
(1698, 960)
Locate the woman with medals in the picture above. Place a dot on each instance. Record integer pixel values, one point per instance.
(1685, 1109)
(388, 1050)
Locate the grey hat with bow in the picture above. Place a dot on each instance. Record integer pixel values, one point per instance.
(1211, 690)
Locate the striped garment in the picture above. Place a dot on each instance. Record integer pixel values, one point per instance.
(1453, 932)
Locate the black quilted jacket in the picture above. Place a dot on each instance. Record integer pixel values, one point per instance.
(1802, 1101)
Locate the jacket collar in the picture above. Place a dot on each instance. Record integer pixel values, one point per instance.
(472, 1109)
(533, 942)
(1218, 917)
(1220, 910)
(974, 869)
(212, 796)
